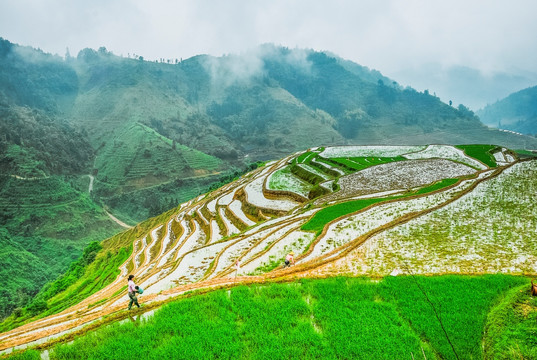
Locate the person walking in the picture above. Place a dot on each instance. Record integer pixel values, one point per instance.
(132, 292)
(237, 267)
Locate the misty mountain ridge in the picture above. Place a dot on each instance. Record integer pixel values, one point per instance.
(466, 85)
(517, 112)
(149, 124)
(194, 118)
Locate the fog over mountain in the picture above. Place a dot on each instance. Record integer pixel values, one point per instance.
(517, 112)
(388, 35)
(465, 85)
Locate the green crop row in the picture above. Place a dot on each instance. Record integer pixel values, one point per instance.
(306, 157)
(323, 217)
(436, 186)
(526, 153)
(336, 164)
(511, 327)
(336, 318)
(482, 153)
(308, 176)
(360, 163)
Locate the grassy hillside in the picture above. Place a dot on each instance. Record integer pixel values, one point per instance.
(138, 165)
(335, 318)
(517, 112)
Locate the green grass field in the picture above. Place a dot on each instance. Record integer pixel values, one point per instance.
(306, 157)
(360, 163)
(334, 318)
(482, 153)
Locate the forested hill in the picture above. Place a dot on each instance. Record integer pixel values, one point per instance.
(144, 136)
(517, 112)
(262, 104)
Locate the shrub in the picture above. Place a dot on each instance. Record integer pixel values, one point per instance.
(17, 312)
(37, 306)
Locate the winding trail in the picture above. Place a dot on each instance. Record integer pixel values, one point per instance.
(119, 222)
(114, 219)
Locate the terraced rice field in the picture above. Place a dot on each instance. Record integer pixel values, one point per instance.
(255, 221)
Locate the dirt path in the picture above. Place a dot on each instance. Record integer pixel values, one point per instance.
(28, 178)
(115, 219)
(92, 178)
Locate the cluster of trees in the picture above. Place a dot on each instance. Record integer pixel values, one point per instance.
(54, 145)
(18, 287)
(19, 298)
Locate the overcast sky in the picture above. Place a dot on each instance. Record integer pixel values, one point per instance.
(387, 35)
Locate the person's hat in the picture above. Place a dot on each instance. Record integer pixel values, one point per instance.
(292, 253)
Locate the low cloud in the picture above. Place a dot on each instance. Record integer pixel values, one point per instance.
(231, 69)
(389, 35)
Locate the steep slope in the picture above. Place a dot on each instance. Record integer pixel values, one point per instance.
(153, 135)
(517, 112)
(46, 216)
(253, 221)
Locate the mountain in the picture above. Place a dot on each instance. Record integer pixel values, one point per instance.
(151, 124)
(517, 112)
(466, 85)
(344, 210)
(96, 134)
